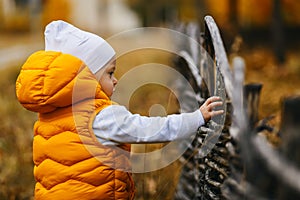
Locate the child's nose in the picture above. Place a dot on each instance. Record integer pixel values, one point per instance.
(115, 81)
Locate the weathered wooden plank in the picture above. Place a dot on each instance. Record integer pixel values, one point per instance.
(252, 96)
(219, 52)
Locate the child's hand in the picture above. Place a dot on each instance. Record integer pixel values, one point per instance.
(208, 106)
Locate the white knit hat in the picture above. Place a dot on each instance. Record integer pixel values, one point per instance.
(93, 50)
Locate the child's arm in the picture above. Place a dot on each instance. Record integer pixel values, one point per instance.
(117, 124)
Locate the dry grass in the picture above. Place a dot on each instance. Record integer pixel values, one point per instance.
(16, 167)
(279, 81)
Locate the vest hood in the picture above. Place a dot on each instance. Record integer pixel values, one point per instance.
(49, 80)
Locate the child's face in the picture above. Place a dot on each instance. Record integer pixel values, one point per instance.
(108, 80)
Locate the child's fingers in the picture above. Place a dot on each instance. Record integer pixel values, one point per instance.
(215, 104)
(217, 112)
(212, 99)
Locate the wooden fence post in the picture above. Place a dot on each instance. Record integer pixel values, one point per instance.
(290, 128)
(252, 95)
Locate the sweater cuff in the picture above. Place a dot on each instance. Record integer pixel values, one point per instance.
(201, 118)
(194, 120)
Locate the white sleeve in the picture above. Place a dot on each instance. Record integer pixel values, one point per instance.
(115, 124)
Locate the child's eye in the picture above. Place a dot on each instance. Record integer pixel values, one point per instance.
(111, 74)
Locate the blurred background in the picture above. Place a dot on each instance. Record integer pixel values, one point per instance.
(266, 33)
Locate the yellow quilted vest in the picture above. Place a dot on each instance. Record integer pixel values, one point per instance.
(69, 161)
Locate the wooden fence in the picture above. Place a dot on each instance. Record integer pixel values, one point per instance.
(230, 158)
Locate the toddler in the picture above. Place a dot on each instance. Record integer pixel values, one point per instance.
(79, 139)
